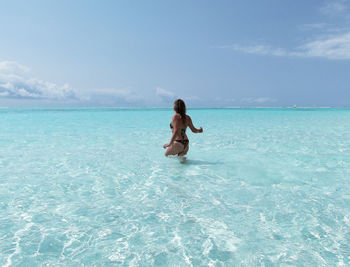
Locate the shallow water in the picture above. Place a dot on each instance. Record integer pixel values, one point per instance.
(92, 187)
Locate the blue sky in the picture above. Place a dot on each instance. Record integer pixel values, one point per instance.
(147, 53)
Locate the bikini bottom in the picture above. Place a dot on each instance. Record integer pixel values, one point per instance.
(184, 142)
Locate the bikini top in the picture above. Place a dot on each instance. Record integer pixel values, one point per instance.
(183, 131)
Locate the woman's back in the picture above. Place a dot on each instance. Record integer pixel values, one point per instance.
(181, 125)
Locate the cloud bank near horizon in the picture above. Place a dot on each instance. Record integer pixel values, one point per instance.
(258, 100)
(16, 83)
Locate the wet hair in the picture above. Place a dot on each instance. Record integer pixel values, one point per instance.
(180, 108)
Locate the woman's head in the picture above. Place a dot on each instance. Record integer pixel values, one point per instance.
(180, 108)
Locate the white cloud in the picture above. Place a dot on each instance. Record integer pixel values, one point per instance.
(192, 98)
(3, 94)
(257, 49)
(331, 47)
(125, 93)
(224, 100)
(335, 7)
(112, 97)
(164, 93)
(258, 100)
(336, 46)
(15, 82)
(330, 41)
(164, 96)
(313, 26)
(129, 97)
(12, 67)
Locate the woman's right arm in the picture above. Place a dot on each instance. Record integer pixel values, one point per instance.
(193, 129)
(175, 123)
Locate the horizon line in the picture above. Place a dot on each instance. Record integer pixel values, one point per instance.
(204, 107)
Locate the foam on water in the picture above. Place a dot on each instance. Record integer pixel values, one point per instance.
(92, 187)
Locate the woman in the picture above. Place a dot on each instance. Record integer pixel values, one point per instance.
(179, 143)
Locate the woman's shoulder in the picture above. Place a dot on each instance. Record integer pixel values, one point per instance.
(177, 117)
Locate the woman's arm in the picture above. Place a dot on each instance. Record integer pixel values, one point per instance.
(193, 129)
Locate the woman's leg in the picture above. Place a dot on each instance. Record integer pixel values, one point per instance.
(174, 149)
(183, 153)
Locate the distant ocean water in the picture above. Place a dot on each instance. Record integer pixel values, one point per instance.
(261, 187)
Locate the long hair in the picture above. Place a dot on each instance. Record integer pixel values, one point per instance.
(180, 107)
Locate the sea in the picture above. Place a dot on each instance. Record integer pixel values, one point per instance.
(92, 187)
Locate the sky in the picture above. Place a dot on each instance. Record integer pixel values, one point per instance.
(107, 53)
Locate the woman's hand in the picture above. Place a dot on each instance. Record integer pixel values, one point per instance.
(166, 145)
(200, 130)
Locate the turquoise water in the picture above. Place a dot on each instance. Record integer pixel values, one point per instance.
(261, 187)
